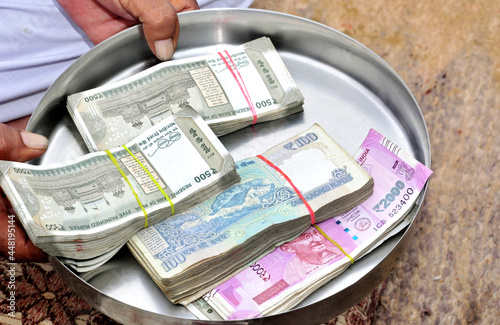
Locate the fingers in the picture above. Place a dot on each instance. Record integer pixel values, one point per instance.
(20, 145)
(20, 123)
(15, 245)
(100, 19)
(160, 22)
(160, 25)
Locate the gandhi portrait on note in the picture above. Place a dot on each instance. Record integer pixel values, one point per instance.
(311, 250)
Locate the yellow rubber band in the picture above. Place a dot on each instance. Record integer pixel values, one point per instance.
(110, 155)
(153, 179)
(334, 242)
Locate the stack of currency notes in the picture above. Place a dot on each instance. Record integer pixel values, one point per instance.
(89, 207)
(306, 179)
(231, 89)
(283, 278)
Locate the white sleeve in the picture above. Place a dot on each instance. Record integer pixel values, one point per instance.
(39, 41)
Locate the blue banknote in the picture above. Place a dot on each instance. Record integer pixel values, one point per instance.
(262, 198)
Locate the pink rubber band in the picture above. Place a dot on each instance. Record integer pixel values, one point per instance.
(311, 212)
(243, 87)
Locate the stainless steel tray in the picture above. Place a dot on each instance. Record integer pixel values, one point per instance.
(348, 90)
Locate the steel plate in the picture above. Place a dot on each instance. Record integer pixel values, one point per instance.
(348, 90)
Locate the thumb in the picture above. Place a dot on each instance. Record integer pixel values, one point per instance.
(160, 23)
(20, 145)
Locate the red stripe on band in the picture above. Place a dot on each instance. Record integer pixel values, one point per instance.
(311, 212)
(249, 100)
(243, 87)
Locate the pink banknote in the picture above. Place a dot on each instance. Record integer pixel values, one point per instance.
(307, 260)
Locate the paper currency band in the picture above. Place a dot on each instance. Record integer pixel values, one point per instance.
(110, 155)
(153, 179)
(311, 212)
(242, 85)
(334, 242)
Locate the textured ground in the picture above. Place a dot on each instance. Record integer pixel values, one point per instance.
(448, 53)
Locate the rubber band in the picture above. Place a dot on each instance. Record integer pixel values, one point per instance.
(110, 155)
(334, 242)
(311, 212)
(243, 88)
(249, 100)
(152, 178)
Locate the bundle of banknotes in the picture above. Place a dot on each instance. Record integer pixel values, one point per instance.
(306, 179)
(231, 89)
(89, 207)
(283, 278)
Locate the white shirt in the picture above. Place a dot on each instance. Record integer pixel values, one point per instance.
(38, 41)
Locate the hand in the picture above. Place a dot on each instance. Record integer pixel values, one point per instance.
(18, 145)
(100, 19)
